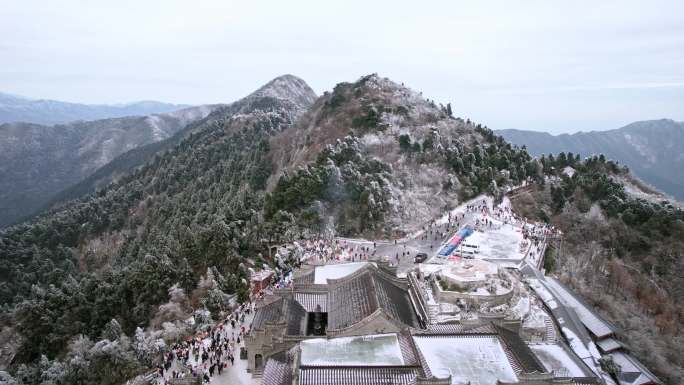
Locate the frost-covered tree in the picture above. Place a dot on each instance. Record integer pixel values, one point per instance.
(178, 307)
(113, 360)
(7, 379)
(112, 331)
(147, 347)
(53, 372)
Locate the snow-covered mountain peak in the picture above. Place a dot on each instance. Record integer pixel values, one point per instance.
(288, 87)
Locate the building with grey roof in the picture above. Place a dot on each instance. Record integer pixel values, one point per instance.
(366, 328)
(370, 300)
(485, 354)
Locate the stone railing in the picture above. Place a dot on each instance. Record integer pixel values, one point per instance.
(454, 296)
(419, 297)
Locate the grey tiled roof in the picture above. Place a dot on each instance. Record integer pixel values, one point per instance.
(609, 344)
(296, 317)
(527, 361)
(268, 313)
(278, 369)
(284, 310)
(395, 300)
(632, 371)
(408, 349)
(277, 373)
(357, 375)
(351, 300)
(311, 300)
(587, 315)
(456, 329)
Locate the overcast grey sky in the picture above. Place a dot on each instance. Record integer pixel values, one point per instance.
(542, 65)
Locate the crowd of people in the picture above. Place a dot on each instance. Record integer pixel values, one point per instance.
(209, 352)
(482, 217)
(336, 250)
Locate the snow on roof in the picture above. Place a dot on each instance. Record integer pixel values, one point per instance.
(544, 294)
(558, 360)
(593, 322)
(609, 344)
(370, 350)
(261, 275)
(474, 359)
(337, 271)
(632, 372)
(588, 353)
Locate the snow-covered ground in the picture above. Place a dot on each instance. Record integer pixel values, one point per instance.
(498, 235)
(635, 191)
(371, 350)
(521, 307)
(544, 294)
(462, 208)
(558, 360)
(462, 270)
(478, 360)
(501, 243)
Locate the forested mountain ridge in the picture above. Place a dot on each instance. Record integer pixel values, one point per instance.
(622, 252)
(37, 162)
(115, 254)
(289, 87)
(371, 157)
(651, 149)
(43, 111)
(374, 157)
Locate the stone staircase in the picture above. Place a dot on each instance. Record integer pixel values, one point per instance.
(258, 373)
(433, 311)
(551, 335)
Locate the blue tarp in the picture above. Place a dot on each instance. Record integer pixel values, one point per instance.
(455, 241)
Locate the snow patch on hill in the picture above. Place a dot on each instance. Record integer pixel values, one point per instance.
(638, 191)
(288, 87)
(640, 147)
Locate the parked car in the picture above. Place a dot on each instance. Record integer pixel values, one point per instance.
(420, 258)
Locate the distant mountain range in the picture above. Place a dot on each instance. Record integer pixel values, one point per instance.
(41, 111)
(37, 162)
(652, 149)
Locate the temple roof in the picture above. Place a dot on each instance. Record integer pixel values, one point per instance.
(311, 300)
(282, 310)
(518, 349)
(357, 375)
(278, 369)
(352, 299)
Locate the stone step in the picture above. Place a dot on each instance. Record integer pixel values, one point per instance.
(550, 330)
